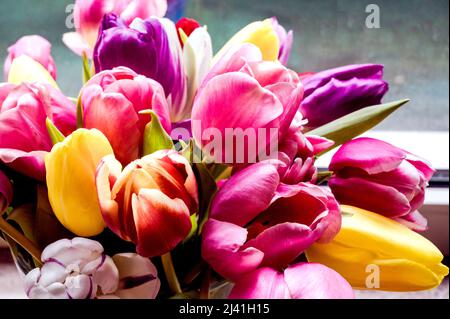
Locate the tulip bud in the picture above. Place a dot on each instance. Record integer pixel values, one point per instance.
(34, 46)
(374, 252)
(71, 167)
(187, 26)
(112, 102)
(261, 34)
(24, 139)
(334, 93)
(368, 169)
(150, 202)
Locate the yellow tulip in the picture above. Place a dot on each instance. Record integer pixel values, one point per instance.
(260, 33)
(375, 252)
(71, 168)
(25, 69)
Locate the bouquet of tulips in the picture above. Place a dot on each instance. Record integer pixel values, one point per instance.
(180, 173)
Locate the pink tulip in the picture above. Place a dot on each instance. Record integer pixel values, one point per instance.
(150, 202)
(112, 101)
(6, 192)
(34, 46)
(89, 13)
(379, 177)
(300, 281)
(270, 230)
(298, 153)
(24, 140)
(242, 92)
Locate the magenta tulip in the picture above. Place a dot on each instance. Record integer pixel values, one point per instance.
(34, 46)
(272, 229)
(244, 93)
(112, 101)
(150, 202)
(298, 153)
(6, 192)
(24, 140)
(300, 281)
(379, 177)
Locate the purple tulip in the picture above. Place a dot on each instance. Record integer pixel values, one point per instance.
(379, 177)
(148, 47)
(334, 93)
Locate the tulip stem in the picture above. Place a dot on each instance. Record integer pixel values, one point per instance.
(20, 239)
(171, 275)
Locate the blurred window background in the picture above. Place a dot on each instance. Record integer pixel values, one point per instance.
(412, 42)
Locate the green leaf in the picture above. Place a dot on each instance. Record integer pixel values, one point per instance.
(80, 114)
(155, 137)
(323, 177)
(352, 125)
(207, 188)
(87, 68)
(220, 171)
(73, 99)
(47, 228)
(18, 231)
(55, 135)
(193, 232)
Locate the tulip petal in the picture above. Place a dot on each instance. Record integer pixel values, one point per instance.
(75, 42)
(25, 69)
(261, 34)
(221, 248)
(154, 211)
(316, 281)
(114, 116)
(291, 238)
(138, 276)
(197, 56)
(235, 101)
(299, 216)
(366, 194)
(415, 221)
(373, 156)
(231, 204)
(108, 171)
(264, 283)
(320, 144)
(234, 60)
